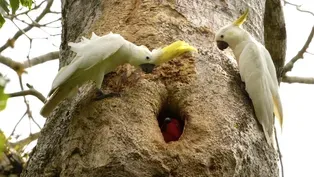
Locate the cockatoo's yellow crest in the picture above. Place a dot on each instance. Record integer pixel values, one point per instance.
(174, 50)
(241, 19)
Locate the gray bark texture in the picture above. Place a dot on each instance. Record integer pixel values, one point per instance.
(275, 34)
(120, 136)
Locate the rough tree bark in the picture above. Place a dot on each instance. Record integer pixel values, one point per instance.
(120, 136)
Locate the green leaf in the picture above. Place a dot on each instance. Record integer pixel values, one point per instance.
(2, 20)
(2, 142)
(4, 5)
(27, 3)
(14, 5)
(3, 99)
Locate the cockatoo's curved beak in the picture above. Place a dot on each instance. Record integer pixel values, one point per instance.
(222, 45)
(147, 67)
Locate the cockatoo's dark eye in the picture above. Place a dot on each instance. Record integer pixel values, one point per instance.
(222, 36)
(147, 58)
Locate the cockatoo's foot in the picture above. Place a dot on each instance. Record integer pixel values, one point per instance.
(101, 95)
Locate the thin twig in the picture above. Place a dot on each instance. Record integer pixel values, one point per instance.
(19, 33)
(28, 92)
(17, 124)
(27, 11)
(26, 141)
(53, 21)
(37, 24)
(300, 80)
(279, 153)
(55, 12)
(53, 35)
(298, 7)
(20, 29)
(30, 48)
(300, 54)
(25, 22)
(311, 53)
(37, 124)
(28, 109)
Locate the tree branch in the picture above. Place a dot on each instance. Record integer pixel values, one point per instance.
(41, 59)
(20, 32)
(28, 92)
(300, 54)
(16, 66)
(298, 7)
(25, 141)
(19, 67)
(12, 133)
(295, 79)
(12, 16)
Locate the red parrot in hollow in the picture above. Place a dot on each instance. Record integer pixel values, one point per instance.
(171, 129)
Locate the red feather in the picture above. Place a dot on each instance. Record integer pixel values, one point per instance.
(172, 130)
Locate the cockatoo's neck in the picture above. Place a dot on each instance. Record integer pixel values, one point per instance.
(118, 58)
(238, 47)
(132, 52)
(156, 54)
(126, 52)
(233, 44)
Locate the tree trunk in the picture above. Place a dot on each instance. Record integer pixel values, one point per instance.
(120, 136)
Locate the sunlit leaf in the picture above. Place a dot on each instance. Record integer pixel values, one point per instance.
(14, 5)
(4, 5)
(2, 20)
(3, 97)
(27, 3)
(2, 142)
(17, 148)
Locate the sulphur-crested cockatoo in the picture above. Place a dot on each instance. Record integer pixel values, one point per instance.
(94, 58)
(257, 71)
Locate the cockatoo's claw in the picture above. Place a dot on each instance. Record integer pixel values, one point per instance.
(101, 95)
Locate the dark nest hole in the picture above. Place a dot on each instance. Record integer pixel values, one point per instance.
(171, 124)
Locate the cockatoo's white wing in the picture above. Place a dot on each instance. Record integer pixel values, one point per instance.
(274, 86)
(255, 74)
(88, 55)
(94, 36)
(270, 64)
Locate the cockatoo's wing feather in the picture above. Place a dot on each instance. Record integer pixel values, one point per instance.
(278, 109)
(260, 94)
(56, 97)
(88, 55)
(270, 65)
(274, 86)
(99, 49)
(94, 36)
(257, 82)
(64, 74)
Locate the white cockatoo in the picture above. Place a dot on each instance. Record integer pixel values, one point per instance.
(94, 58)
(258, 72)
(98, 56)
